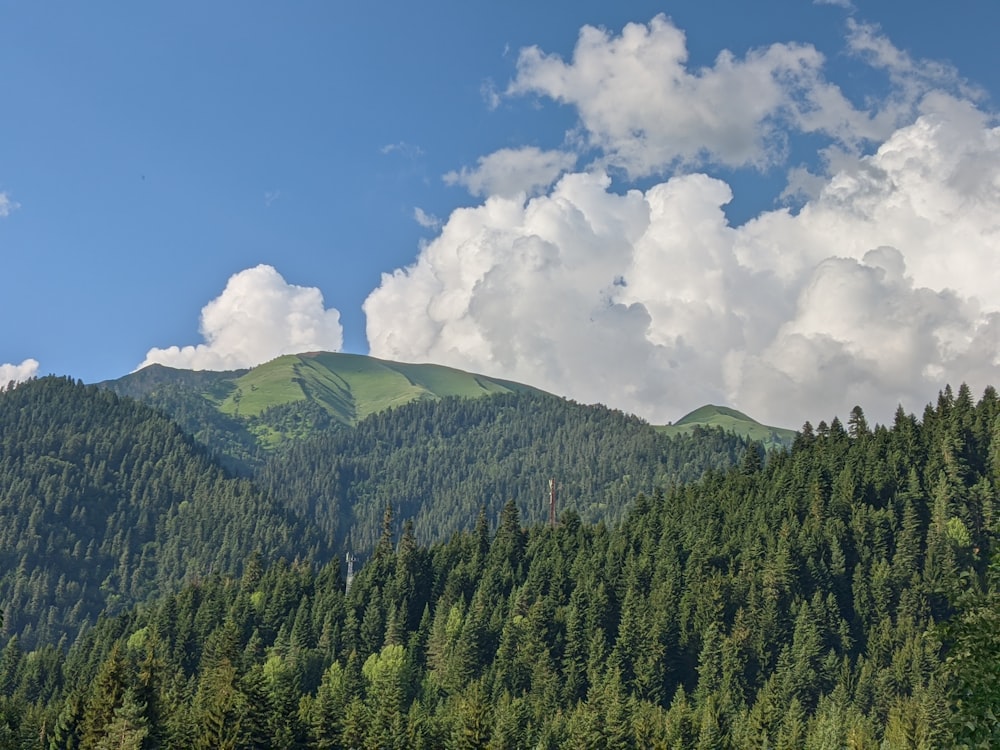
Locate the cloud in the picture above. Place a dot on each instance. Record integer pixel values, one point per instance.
(426, 220)
(258, 317)
(407, 150)
(488, 91)
(878, 291)
(512, 171)
(647, 112)
(18, 373)
(7, 205)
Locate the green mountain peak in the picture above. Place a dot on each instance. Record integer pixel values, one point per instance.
(730, 420)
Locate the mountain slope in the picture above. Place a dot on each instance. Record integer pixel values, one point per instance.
(348, 386)
(105, 501)
(792, 604)
(296, 395)
(732, 421)
(439, 462)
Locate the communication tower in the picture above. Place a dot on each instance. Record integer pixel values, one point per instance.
(350, 572)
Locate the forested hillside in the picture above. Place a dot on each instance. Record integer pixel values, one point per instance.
(439, 462)
(242, 413)
(105, 501)
(789, 604)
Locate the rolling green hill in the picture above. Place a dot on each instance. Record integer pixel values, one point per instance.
(732, 421)
(338, 437)
(352, 386)
(295, 395)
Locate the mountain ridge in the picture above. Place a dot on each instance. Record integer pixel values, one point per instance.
(350, 387)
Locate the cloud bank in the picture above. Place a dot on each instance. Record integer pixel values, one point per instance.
(258, 316)
(18, 373)
(880, 289)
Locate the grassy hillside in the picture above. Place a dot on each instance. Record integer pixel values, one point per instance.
(352, 386)
(295, 396)
(348, 387)
(732, 421)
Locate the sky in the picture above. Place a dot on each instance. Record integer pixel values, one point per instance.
(787, 207)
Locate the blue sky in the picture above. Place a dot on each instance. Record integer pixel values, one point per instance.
(212, 184)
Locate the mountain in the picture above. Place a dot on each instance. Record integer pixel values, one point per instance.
(105, 501)
(348, 387)
(352, 386)
(841, 594)
(338, 437)
(439, 462)
(108, 500)
(732, 421)
(297, 395)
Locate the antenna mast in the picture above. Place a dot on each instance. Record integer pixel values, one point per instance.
(350, 572)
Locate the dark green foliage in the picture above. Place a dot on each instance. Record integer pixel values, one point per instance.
(106, 502)
(972, 666)
(439, 463)
(792, 602)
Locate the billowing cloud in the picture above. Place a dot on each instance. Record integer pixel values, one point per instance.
(7, 205)
(18, 373)
(647, 112)
(257, 317)
(512, 171)
(880, 289)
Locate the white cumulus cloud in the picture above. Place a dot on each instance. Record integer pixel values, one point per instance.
(258, 317)
(879, 290)
(18, 373)
(647, 111)
(511, 171)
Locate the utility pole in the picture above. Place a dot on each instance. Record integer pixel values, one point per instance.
(350, 572)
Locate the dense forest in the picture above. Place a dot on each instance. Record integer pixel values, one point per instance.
(839, 594)
(439, 462)
(108, 501)
(105, 501)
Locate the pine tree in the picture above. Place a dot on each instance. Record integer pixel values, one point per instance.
(104, 698)
(129, 729)
(474, 720)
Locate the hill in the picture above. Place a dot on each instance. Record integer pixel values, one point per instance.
(796, 603)
(352, 386)
(241, 412)
(293, 395)
(732, 421)
(105, 501)
(108, 501)
(439, 462)
(338, 437)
